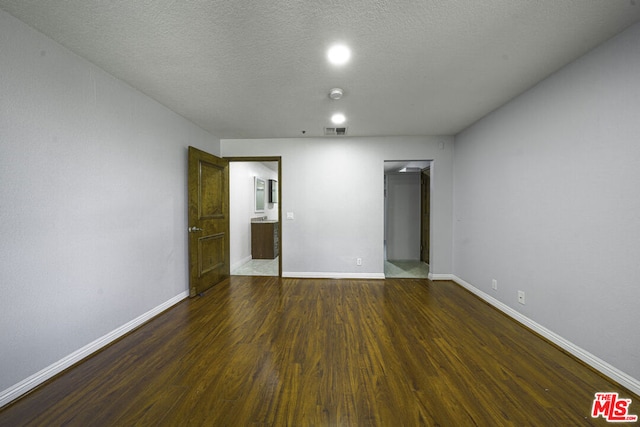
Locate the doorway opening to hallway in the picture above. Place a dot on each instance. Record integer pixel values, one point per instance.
(407, 219)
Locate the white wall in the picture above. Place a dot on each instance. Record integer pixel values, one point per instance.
(334, 187)
(242, 206)
(403, 216)
(92, 202)
(547, 200)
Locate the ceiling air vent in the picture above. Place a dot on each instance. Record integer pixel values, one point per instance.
(335, 131)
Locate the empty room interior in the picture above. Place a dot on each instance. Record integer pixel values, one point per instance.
(309, 213)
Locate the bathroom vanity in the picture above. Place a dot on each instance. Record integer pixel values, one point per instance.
(264, 239)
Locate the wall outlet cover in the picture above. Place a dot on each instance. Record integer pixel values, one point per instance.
(521, 297)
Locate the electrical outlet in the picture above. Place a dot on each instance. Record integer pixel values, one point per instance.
(494, 284)
(358, 261)
(521, 297)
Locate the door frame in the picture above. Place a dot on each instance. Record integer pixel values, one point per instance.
(422, 164)
(259, 159)
(425, 195)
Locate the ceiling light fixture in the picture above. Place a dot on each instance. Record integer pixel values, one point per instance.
(338, 119)
(339, 54)
(336, 93)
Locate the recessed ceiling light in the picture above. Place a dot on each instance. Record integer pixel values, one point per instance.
(338, 119)
(339, 54)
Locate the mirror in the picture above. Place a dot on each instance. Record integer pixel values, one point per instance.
(260, 194)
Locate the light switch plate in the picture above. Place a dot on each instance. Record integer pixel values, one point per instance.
(290, 215)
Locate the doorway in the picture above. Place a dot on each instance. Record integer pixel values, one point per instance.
(407, 218)
(254, 222)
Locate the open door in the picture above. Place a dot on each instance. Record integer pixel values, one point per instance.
(425, 213)
(209, 252)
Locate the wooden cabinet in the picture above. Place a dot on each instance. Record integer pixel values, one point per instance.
(265, 240)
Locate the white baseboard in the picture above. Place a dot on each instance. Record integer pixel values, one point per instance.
(598, 364)
(432, 276)
(50, 371)
(323, 275)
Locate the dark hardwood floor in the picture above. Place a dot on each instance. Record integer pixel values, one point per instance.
(305, 352)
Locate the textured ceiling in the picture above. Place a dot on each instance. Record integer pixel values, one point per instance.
(257, 69)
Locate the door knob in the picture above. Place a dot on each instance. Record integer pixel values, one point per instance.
(194, 229)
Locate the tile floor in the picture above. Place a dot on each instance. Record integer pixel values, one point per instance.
(257, 267)
(406, 269)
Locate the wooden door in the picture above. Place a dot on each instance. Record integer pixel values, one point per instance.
(208, 220)
(425, 204)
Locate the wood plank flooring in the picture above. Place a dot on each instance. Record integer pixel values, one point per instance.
(265, 351)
